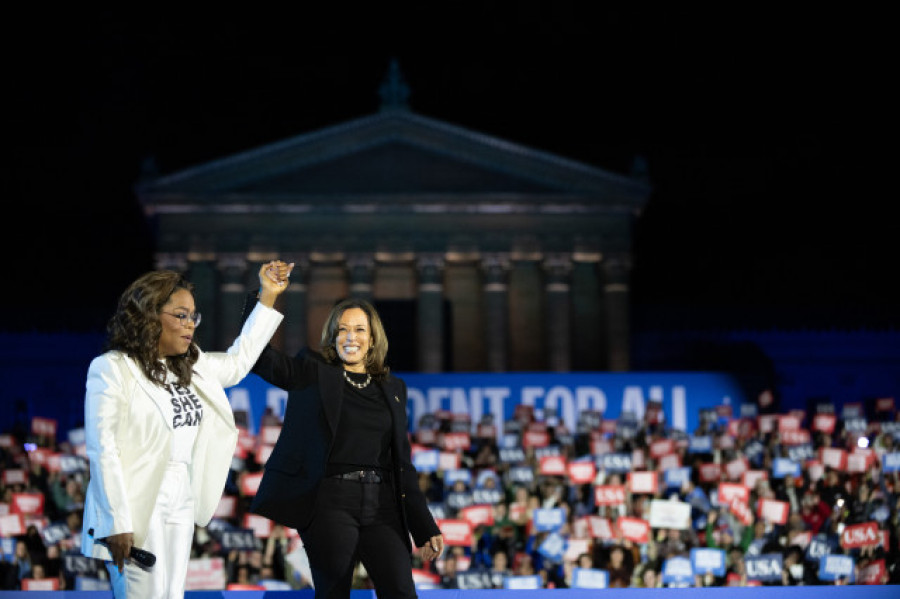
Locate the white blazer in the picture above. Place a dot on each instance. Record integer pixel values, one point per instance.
(129, 439)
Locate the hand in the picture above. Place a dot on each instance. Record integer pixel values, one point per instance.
(433, 548)
(120, 545)
(273, 280)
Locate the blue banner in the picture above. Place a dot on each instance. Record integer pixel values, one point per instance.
(764, 568)
(677, 570)
(706, 559)
(681, 395)
(834, 567)
(589, 578)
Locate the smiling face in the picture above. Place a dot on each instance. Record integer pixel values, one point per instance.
(354, 339)
(176, 338)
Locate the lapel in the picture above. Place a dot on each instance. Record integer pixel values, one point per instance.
(395, 403)
(157, 394)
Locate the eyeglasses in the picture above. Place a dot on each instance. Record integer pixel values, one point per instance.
(184, 317)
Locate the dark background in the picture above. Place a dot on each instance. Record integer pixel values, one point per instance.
(766, 210)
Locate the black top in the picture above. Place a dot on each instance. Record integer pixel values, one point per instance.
(362, 439)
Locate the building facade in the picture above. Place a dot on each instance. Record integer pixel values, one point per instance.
(480, 254)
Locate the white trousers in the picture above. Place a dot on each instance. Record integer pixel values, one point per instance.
(171, 533)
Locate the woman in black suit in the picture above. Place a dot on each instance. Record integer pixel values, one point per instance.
(341, 471)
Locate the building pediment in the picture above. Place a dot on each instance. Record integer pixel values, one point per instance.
(392, 156)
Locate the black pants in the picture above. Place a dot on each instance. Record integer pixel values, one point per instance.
(358, 520)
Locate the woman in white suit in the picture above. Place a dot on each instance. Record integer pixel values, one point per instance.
(159, 429)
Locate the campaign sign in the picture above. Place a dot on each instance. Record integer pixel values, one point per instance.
(710, 472)
(18, 476)
(512, 455)
(833, 457)
(456, 532)
(27, 504)
(240, 540)
(589, 578)
(890, 462)
(884, 404)
(553, 547)
(708, 560)
(752, 476)
(782, 467)
(206, 574)
(646, 481)
(250, 482)
(669, 461)
(824, 423)
(772, 510)
(520, 474)
(458, 500)
(601, 528)
(426, 460)
(449, 460)
(665, 513)
(581, 472)
(820, 546)
(835, 567)
(754, 450)
(676, 477)
(735, 468)
(55, 533)
(729, 491)
(457, 474)
(764, 568)
(523, 583)
(615, 462)
(477, 515)
(702, 444)
(548, 519)
(227, 507)
(552, 466)
(678, 571)
(43, 427)
(874, 573)
(86, 583)
(609, 495)
(634, 529)
(860, 535)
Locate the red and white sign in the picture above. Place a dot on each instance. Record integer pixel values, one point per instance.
(456, 532)
(582, 473)
(833, 457)
(426, 436)
(16, 476)
(448, 461)
(735, 468)
(7, 441)
(263, 453)
(710, 472)
(874, 573)
(609, 495)
(795, 437)
(741, 510)
(645, 481)
(752, 476)
(576, 547)
(601, 528)
(634, 529)
(662, 447)
(789, 422)
(768, 422)
(226, 507)
(44, 584)
(478, 514)
(261, 527)
(824, 423)
(39, 456)
(535, 439)
(802, 539)
(857, 462)
(669, 462)
(205, 574)
(729, 491)
(884, 404)
(424, 577)
(250, 483)
(774, 511)
(517, 511)
(268, 435)
(553, 465)
(457, 441)
(860, 535)
(44, 427)
(27, 504)
(12, 525)
(725, 442)
(816, 470)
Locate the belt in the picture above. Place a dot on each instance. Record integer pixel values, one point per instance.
(361, 476)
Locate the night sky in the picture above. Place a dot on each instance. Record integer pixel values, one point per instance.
(764, 212)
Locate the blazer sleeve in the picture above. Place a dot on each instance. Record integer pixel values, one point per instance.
(106, 404)
(419, 519)
(234, 364)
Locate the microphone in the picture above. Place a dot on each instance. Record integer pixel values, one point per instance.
(141, 557)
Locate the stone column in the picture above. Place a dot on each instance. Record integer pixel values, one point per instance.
(232, 290)
(204, 277)
(588, 310)
(615, 290)
(360, 269)
(557, 313)
(496, 307)
(430, 313)
(294, 300)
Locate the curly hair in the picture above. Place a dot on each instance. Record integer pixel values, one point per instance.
(379, 343)
(135, 327)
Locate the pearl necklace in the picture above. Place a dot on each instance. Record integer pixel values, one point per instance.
(358, 385)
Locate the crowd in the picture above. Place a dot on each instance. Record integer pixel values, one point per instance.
(755, 498)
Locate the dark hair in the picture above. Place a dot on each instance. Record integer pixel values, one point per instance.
(135, 327)
(379, 343)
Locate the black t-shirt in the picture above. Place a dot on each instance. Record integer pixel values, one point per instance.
(362, 440)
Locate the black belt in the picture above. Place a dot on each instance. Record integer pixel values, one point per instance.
(362, 476)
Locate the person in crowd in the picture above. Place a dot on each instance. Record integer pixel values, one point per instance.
(159, 430)
(341, 471)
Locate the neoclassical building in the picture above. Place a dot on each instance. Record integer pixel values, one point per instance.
(480, 254)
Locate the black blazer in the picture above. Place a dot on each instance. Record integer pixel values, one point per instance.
(297, 463)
